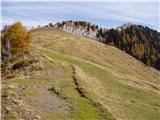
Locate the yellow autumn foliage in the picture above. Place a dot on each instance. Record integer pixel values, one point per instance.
(19, 38)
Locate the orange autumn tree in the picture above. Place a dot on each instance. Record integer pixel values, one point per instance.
(16, 39)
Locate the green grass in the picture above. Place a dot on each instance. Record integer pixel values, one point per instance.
(92, 69)
(124, 99)
(83, 109)
(113, 82)
(132, 102)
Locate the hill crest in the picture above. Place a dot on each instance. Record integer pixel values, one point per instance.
(138, 41)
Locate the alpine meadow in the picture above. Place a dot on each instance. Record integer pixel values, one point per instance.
(95, 60)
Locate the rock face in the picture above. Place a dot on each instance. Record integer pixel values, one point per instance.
(140, 42)
(79, 28)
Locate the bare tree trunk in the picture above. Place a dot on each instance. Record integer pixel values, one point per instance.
(8, 49)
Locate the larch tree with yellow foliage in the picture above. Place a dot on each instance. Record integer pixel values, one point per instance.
(16, 40)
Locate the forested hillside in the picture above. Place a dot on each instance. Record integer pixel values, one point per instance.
(141, 42)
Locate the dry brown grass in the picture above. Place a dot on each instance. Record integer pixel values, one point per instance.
(120, 80)
(107, 76)
(109, 57)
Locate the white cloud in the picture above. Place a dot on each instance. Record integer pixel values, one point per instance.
(42, 13)
(138, 12)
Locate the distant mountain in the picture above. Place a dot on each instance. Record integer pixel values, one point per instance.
(140, 42)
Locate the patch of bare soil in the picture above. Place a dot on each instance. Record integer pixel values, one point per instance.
(14, 107)
(47, 101)
(17, 105)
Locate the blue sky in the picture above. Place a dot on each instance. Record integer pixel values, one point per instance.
(103, 13)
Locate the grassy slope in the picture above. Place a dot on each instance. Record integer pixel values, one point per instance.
(114, 84)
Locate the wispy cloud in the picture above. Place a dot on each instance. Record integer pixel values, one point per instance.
(106, 14)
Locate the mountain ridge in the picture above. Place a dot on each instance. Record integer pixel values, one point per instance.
(139, 41)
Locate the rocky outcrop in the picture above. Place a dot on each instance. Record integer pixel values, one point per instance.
(78, 28)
